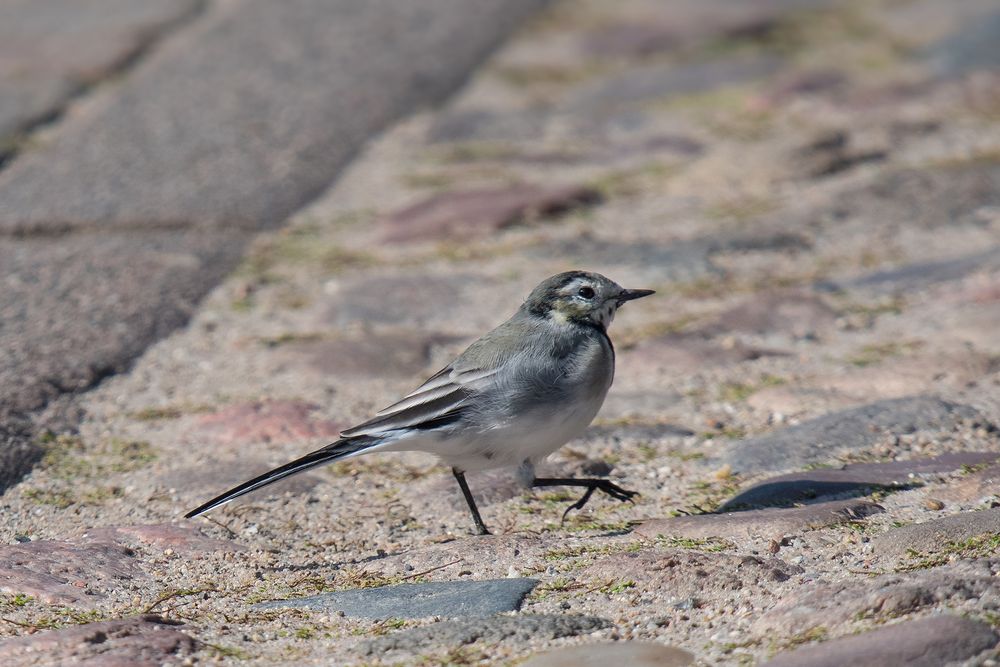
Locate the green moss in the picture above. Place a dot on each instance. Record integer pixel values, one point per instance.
(709, 544)
(979, 546)
(878, 352)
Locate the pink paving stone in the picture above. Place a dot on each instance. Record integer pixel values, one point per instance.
(766, 523)
(926, 642)
(53, 571)
(265, 421)
(479, 212)
(145, 641)
(164, 536)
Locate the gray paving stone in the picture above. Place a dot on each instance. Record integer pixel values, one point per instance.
(460, 215)
(834, 604)
(522, 629)
(855, 478)
(933, 537)
(972, 47)
(442, 598)
(926, 642)
(144, 641)
(663, 81)
(639, 654)
(114, 228)
(920, 275)
(767, 523)
(820, 440)
(52, 49)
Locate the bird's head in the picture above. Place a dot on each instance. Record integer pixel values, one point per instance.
(581, 297)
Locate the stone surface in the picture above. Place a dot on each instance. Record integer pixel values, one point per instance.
(394, 354)
(693, 574)
(65, 572)
(400, 299)
(793, 312)
(640, 654)
(831, 604)
(179, 539)
(193, 482)
(143, 641)
(264, 421)
(931, 537)
(460, 215)
(926, 642)
(820, 440)
(522, 629)
(921, 275)
(767, 523)
(50, 50)
(657, 81)
(972, 47)
(441, 598)
(162, 178)
(922, 198)
(851, 479)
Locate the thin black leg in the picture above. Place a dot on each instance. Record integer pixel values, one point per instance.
(480, 526)
(608, 487)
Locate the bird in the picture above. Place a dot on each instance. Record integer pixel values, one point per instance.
(512, 398)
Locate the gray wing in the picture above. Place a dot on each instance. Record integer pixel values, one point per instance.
(446, 395)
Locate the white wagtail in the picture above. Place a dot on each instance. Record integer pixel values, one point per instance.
(512, 398)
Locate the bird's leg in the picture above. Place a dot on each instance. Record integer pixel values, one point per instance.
(480, 526)
(607, 486)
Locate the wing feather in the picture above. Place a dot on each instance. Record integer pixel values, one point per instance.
(444, 395)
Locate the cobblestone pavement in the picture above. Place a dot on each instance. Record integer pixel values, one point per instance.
(809, 406)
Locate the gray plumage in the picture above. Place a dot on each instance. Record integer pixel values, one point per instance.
(510, 399)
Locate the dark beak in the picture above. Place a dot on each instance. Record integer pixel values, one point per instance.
(631, 294)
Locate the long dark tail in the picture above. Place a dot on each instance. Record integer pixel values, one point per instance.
(342, 448)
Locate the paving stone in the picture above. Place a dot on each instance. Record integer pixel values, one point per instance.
(688, 353)
(488, 125)
(179, 539)
(841, 603)
(143, 641)
(921, 370)
(686, 23)
(975, 486)
(767, 523)
(692, 574)
(659, 81)
(804, 83)
(192, 482)
(937, 535)
(400, 299)
(441, 598)
(922, 275)
(972, 47)
(264, 421)
(926, 642)
(61, 572)
(465, 214)
(794, 312)
(522, 629)
(393, 354)
(51, 49)
(820, 440)
(851, 479)
(922, 198)
(640, 654)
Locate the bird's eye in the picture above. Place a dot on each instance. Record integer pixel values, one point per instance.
(586, 292)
